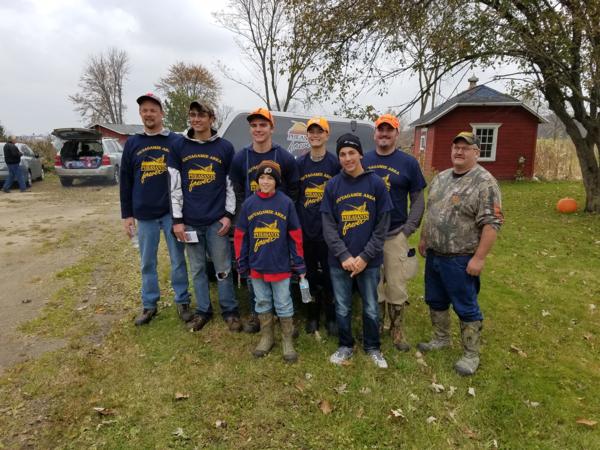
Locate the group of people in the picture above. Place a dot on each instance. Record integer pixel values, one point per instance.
(332, 219)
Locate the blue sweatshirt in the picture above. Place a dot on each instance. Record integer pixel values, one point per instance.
(355, 213)
(201, 192)
(402, 175)
(267, 236)
(144, 181)
(313, 178)
(243, 170)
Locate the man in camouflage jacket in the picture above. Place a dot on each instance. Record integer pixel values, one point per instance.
(464, 214)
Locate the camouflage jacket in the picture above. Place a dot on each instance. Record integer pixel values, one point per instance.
(459, 207)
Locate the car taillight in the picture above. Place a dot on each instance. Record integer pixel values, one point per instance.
(105, 160)
(57, 161)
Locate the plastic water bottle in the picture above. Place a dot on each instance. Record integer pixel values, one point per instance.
(305, 291)
(135, 242)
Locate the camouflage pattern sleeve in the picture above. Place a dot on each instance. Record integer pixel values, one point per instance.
(489, 211)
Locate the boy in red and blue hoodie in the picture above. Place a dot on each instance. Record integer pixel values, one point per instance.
(268, 247)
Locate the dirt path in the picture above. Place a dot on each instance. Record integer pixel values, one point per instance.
(41, 233)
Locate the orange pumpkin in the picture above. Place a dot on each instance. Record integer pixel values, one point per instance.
(566, 205)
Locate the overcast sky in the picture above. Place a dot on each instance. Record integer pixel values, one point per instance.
(44, 45)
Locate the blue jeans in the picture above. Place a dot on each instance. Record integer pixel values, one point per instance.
(269, 293)
(219, 250)
(367, 282)
(447, 282)
(149, 238)
(14, 173)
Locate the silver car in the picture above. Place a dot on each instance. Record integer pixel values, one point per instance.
(31, 164)
(84, 154)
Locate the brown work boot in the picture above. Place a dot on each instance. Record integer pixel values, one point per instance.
(252, 325)
(234, 324)
(266, 335)
(470, 333)
(145, 317)
(440, 320)
(198, 322)
(287, 339)
(396, 313)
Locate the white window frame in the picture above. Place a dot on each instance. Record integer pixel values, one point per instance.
(423, 140)
(495, 127)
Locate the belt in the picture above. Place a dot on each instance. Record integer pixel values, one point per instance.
(449, 255)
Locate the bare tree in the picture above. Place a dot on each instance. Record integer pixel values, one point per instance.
(101, 87)
(182, 84)
(279, 53)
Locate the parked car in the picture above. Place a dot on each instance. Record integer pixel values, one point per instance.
(31, 164)
(290, 131)
(84, 154)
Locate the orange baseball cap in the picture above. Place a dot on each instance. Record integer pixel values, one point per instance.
(389, 119)
(261, 112)
(319, 121)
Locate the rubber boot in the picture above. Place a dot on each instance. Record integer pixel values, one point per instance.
(441, 331)
(469, 333)
(266, 335)
(396, 313)
(252, 325)
(287, 340)
(312, 317)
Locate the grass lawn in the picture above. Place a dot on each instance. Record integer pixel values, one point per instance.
(540, 370)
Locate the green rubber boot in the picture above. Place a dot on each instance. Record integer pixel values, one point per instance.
(287, 339)
(266, 335)
(397, 331)
(440, 320)
(470, 333)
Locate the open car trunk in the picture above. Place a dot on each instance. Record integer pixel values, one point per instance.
(81, 154)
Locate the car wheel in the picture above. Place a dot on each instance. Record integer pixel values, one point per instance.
(29, 181)
(115, 178)
(66, 181)
(42, 174)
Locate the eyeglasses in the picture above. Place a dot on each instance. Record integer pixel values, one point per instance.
(463, 148)
(197, 115)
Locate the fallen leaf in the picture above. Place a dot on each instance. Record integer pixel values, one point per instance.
(431, 419)
(414, 397)
(422, 362)
(397, 414)
(592, 307)
(418, 355)
(365, 390)
(532, 404)
(221, 424)
(471, 391)
(470, 433)
(518, 351)
(451, 391)
(587, 422)
(308, 376)
(360, 412)
(81, 308)
(545, 313)
(341, 389)
(104, 411)
(325, 407)
(179, 433)
(495, 443)
(588, 336)
(300, 386)
(437, 388)
(181, 396)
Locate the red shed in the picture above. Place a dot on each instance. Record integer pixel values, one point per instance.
(506, 127)
(117, 131)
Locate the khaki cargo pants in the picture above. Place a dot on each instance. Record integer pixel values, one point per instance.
(397, 269)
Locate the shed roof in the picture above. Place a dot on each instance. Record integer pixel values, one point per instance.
(477, 96)
(121, 128)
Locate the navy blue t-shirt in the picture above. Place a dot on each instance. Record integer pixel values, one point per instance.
(355, 204)
(401, 174)
(204, 168)
(144, 180)
(245, 162)
(313, 178)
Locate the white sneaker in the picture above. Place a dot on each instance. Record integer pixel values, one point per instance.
(341, 355)
(378, 359)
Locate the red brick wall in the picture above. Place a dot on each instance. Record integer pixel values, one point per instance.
(516, 137)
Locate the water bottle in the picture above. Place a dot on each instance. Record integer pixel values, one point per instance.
(134, 237)
(305, 291)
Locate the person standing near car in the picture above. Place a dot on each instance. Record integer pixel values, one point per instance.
(198, 171)
(243, 170)
(12, 158)
(144, 193)
(316, 168)
(403, 179)
(356, 215)
(464, 215)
